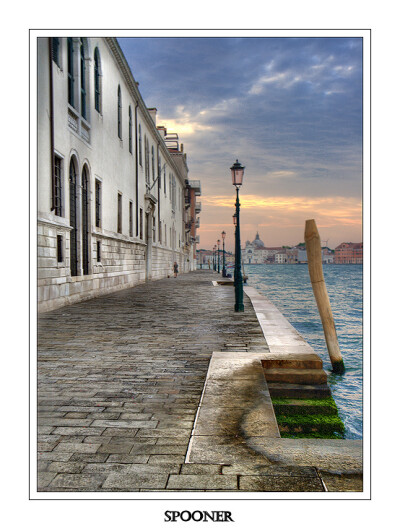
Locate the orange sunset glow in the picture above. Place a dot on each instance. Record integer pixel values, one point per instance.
(281, 220)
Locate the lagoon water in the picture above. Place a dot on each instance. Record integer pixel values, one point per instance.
(289, 288)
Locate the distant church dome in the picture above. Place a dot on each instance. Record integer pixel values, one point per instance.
(257, 241)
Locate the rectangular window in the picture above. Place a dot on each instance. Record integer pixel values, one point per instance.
(98, 203)
(141, 223)
(119, 219)
(160, 232)
(158, 167)
(70, 71)
(130, 219)
(97, 91)
(119, 114)
(83, 82)
(140, 145)
(146, 160)
(57, 186)
(98, 248)
(60, 249)
(130, 130)
(173, 192)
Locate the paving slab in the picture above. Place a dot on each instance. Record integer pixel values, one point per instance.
(342, 482)
(280, 483)
(202, 482)
(77, 482)
(269, 469)
(126, 482)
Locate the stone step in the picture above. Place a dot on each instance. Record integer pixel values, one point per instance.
(292, 361)
(301, 407)
(322, 425)
(296, 376)
(278, 389)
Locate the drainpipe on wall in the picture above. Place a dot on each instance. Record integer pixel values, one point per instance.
(53, 180)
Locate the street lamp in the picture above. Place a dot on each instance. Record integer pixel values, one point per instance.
(215, 257)
(218, 242)
(223, 235)
(237, 171)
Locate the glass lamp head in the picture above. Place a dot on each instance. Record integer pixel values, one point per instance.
(237, 171)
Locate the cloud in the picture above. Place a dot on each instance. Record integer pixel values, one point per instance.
(290, 109)
(337, 205)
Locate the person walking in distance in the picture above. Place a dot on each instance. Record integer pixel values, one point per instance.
(175, 269)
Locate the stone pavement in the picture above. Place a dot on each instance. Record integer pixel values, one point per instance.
(120, 378)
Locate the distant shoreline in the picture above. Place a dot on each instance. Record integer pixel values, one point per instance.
(285, 264)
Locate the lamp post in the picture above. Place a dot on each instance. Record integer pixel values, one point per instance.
(237, 171)
(219, 243)
(215, 257)
(223, 235)
(234, 216)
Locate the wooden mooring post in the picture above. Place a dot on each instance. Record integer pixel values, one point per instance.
(313, 247)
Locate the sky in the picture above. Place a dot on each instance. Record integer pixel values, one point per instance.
(289, 109)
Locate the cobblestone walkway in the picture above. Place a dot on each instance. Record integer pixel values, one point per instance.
(119, 381)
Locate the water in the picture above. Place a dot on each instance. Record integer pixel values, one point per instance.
(289, 288)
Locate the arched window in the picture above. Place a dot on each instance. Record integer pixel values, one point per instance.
(119, 113)
(85, 221)
(73, 221)
(83, 80)
(97, 79)
(70, 71)
(130, 130)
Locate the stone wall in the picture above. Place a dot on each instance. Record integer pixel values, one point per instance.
(122, 265)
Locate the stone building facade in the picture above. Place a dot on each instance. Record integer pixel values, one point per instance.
(113, 196)
(349, 253)
(256, 253)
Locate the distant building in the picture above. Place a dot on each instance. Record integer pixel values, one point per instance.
(280, 258)
(256, 253)
(302, 255)
(349, 253)
(327, 256)
(205, 258)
